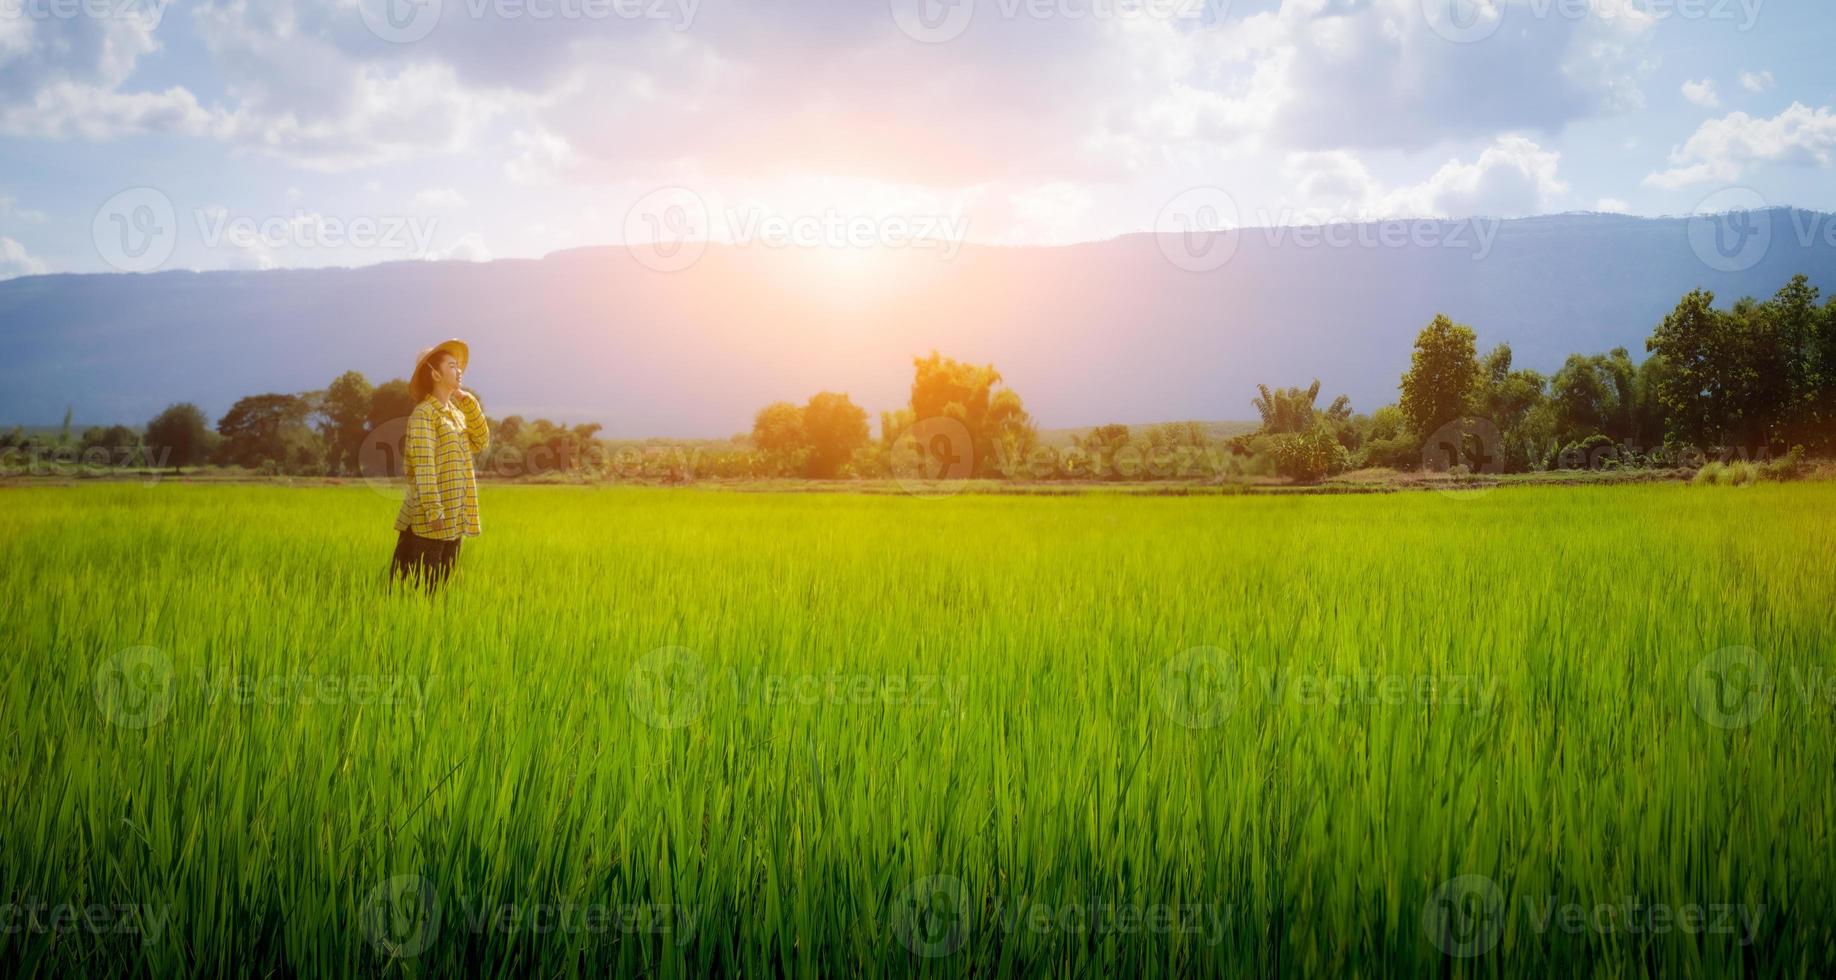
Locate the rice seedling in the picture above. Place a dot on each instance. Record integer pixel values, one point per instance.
(1532, 732)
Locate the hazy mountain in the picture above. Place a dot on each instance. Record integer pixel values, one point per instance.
(1087, 334)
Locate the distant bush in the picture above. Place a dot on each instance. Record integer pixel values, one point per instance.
(1311, 456)
(1790, 466)
(1399, 452)
(1596, 452)
(1727, 474)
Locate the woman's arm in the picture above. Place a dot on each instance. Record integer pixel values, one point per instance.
(477, 432)
(419, 449)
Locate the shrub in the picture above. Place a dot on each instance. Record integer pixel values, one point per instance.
(1787, 467)
(1399, 452)
(1310, 456)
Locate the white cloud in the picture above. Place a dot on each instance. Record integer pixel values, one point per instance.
(11, 209)
(1512, 177)
(385, 116)
(69, 110)
(1377, 73)
(1722, 149)
(1756, 82)
(1051, 214)
(61, 78)
(15, 261)
(1702, 93)
(438, 197)
(468, 248)
(542, 158)
(1612, 205)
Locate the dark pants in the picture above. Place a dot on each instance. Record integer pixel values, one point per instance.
(424, 560)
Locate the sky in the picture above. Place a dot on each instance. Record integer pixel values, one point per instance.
(138, 135)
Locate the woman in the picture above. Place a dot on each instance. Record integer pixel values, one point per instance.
(445, 431)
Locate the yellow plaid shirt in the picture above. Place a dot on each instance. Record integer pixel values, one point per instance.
(437, 452)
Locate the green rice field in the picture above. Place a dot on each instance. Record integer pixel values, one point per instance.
(1536, 732)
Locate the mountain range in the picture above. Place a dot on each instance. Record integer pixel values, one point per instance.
(1136, 329)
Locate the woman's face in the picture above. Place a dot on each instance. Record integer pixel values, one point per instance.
(447, 370)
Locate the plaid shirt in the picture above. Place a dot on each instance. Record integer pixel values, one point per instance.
(438, 451)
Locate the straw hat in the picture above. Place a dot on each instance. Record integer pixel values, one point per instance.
(457, 348)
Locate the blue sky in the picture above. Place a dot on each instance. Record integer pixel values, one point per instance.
(275, 133)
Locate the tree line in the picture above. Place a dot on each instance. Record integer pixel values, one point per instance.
(1757, 379)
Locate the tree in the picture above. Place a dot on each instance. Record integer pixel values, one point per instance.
(269, 430)
(1761, 373)
(1104, 440)
(1100, 448)
(998, 426)
(1287, 410)
(816, 440)
(1510, 399)
(114, 438)
(834, 428)
(1648, 421)
(1822, 378)
(178, 436)
(344, 415)
(1694, 342)
(390, 401)
(1441, 376)
(777, 431)
(1795, 320)
(1310, 456)
(1595, 396)
(510, 430)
